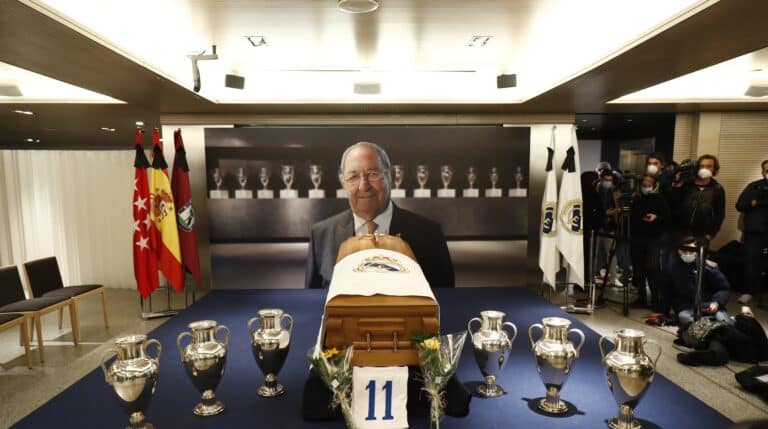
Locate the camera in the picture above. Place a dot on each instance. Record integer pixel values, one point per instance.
(686, 171)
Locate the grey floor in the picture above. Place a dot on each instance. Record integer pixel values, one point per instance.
(23, 390)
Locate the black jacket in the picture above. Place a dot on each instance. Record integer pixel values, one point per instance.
(755, 218)
(680, 280)
(642, 205)
(425, 237)
(698, 209)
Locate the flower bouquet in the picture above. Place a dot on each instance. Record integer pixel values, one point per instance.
(438, 359)
(335, 369)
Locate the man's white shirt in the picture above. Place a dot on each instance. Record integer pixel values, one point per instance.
(383, 220)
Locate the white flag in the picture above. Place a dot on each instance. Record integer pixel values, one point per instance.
(570, 237)
(549, 258)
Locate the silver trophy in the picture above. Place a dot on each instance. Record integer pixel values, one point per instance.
(133, 376)
(270, 344)
(218, 179)
(316, 175)
(492, 345)
(519, 178)
(471, 177)
(555, 355)
(629, 371)
(204, 359)
(242, 178)
(287, 173)
(422, 175)
(494, 177)
(399, 173)
(446, 174)
(264, 174)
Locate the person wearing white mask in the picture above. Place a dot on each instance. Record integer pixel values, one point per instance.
(753, 203)
(698, 206)
(649, 212)
(655, 166)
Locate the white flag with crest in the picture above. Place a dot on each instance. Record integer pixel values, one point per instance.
(570, 233)
(549, 258)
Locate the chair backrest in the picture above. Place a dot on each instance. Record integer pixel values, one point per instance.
(11, 288)
(43, 275)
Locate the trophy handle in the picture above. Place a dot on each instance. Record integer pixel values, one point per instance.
(469, 324)
(178, 344)
(600, 345)
(226, 337)
(514, 329)
(658, 347)
(250, 323)
(107, 353)
(581, 335)
(530, 332)
(290, 320)
(159, 347)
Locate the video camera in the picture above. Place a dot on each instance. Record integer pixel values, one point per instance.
(687, 170)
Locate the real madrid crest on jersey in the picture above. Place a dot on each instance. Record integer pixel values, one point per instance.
(380, 264)
(570, 217)
(186, 217)
(548, 226)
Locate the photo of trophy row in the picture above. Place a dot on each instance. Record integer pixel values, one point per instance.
(628, 369)
(422, 173)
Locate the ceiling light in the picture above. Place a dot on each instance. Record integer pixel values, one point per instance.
(24, 112)
(478, 41)
(139, 123)
(357, 6)
(111, 130)
(629, 120)
(257, 41)
(28, 140)
(583, 120)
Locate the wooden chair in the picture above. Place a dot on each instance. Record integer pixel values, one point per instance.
(8, 321)
(45, 281)
(12, 300)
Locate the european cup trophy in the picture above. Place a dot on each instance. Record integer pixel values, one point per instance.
(422, 176)
(471, 192)
(555, 355)
(518, 190)
(493, 191)
(218, 179)
(264, 193)
(446, 174)
(242, 179)
(287, 172)
(204, 359)
(270, 344)
(492, 345)
(316, 176)
(398, 174)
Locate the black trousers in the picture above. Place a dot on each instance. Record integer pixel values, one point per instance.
(646, 265)
(755, 261)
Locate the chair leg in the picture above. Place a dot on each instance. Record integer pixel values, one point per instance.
(25, 341)
(61, 317)
(32, 330)
(39, 328)
(104, 308)
(75, 323)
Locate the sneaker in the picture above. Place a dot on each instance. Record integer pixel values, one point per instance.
(678, 344)
(745, 298)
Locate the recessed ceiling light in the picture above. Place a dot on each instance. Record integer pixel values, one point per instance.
(357, 6)
(111, 130)
(139, 123)
(629, 120)
(583, 120)
(28, 140)
(257, 41)
(478, 41)
(24, 112)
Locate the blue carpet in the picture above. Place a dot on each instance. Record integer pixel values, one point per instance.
(89, 403)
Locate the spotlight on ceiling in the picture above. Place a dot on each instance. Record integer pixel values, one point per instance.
(357, 6)
(506, 81)
(107, 129)
(29, 140)
(24, 112)
(478, 41)
(257, 41)
(139, 124)
(202, 56)
(234, 81)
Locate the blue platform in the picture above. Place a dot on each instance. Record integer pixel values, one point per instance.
(89, 403)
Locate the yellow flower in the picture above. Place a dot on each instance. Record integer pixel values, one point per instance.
(330, 353)
(431, 343)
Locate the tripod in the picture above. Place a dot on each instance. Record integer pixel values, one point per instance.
(622, 236)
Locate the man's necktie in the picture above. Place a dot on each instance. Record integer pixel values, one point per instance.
(372, 226)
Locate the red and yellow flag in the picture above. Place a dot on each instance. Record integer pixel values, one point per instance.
(163, 215)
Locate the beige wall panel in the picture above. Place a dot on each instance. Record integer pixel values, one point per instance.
(684, 123)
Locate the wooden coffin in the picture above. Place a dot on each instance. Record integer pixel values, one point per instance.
(378, 326)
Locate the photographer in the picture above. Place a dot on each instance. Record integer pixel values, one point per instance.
(654, 166)
(649, 212)
(753, 203)
(698, 202)
(608, 213)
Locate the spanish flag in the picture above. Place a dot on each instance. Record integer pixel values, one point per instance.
(163, 215)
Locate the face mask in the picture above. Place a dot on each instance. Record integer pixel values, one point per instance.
(606, 185)
(652, 169)
(704, 173)
(645, 191)
(688, 258)
(766, 176)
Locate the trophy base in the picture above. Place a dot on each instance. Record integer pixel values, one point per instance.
(316, 193)
(212, 409)
(289, 194)
(549, 407)
(493, 193)
(422, 193)
(270, 392)
(243, 194)
(619, 423)
(518, 193)
(471, 193)
(218, 194)
(489, 391)
(446, 193)
(341, 193)
(136, 421)
(265, 194)
(144, 426)
(397, 193)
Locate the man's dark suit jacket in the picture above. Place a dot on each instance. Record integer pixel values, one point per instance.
(425, 237)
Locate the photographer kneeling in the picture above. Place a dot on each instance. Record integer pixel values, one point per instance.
(649, 212)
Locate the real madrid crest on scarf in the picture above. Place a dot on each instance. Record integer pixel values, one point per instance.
(380, 264)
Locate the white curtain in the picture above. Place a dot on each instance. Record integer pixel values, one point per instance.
(75, 205)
